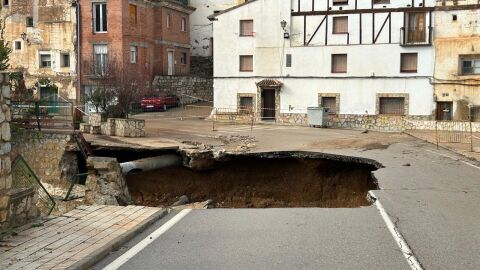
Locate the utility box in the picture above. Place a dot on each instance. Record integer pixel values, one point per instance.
(317, 116)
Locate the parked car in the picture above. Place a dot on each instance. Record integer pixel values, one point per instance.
(159, 103)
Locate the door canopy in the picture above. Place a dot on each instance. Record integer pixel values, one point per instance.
(269, 83)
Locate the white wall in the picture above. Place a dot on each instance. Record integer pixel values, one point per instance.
(372, 68)
(201, 29)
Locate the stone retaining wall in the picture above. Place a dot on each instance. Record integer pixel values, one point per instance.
(186, 87)
(17, 205)
(129, 127)
(51, 156)
(105, 183)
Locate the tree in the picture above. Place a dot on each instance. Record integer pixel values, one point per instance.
(113, 89)
(5, 49)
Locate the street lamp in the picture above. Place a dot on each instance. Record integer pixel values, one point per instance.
(283, 24)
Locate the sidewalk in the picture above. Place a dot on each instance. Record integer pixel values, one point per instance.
(463, 149)
(77, 239)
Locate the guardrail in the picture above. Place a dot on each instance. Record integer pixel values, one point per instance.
(43, 114)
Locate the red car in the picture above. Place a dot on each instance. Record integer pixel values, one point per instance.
(159, 103)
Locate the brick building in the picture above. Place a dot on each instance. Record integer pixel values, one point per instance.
(145, 38)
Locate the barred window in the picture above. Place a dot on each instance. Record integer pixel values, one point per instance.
(246, 104)
(392, 105)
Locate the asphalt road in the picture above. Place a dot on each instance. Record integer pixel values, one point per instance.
(431, 195)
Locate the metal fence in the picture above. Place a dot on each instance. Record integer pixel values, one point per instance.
(24, 177)
(43, 114)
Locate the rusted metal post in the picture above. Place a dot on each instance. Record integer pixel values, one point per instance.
(213, 119)
(470, 112)
(252, 115)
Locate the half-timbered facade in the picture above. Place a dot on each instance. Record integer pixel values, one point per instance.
(370, 62)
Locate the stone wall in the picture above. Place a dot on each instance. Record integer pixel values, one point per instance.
(17, 205)
(188, 89)
(201, 66)
(129, 127)
(51, 156)
(350, 121)
(105, 182)
(442, 125)
(121, 127)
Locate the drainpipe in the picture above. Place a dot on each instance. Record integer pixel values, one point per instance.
(77, 9)
(150, 164)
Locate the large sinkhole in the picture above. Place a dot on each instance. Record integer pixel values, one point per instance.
(262, 180)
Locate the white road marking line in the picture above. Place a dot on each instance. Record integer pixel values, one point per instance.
(397, 236)
(456, 159)
(147, 241)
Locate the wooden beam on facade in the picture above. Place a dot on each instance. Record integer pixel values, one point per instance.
(362, 11)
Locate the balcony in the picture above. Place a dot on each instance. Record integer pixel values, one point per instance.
(416, 37)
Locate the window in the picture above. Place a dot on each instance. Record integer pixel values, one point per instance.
(18, 45)
(168, 21)
(246, 105)
(6, 3)
(408, 62)
(45, 60)
(246, 28)
(100, 17)
(330, 103)
(392, 105)
(289, 60)
(100, 59)
(133, 14)
(339, 63)
(29, 22)
(183, 58)
(183, 26)
(416, 27)
(133, 54)
(65, 60)
(470, 66)
(340, 2)
(381, 1)
(340, 25)
(246, 63)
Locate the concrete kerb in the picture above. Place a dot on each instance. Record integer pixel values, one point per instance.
(117, 242)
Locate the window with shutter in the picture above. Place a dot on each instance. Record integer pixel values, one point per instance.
(246, 63)
(246, 28)
(246, 104)
(339, 63)
(408, 62)
(133, 14)
(340, 25)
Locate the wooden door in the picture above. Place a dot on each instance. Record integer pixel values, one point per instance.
(444, 111)
(268, 104)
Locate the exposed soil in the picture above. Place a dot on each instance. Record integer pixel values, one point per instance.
(255, 182)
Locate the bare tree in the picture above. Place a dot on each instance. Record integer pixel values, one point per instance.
(113, 88)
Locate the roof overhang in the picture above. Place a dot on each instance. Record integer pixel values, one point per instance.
(213, 17)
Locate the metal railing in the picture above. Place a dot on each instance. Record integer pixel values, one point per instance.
(43, 114)
(416, 37)
(24, 177)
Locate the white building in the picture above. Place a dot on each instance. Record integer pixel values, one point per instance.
(201, 35)
(372, 59)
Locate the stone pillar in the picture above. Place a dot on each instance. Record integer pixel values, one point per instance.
(105, 182)
(5, 148)
(17, 204)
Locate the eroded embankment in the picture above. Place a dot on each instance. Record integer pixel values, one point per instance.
(285, 179)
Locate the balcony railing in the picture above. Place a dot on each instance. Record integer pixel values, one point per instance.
(414, 37)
